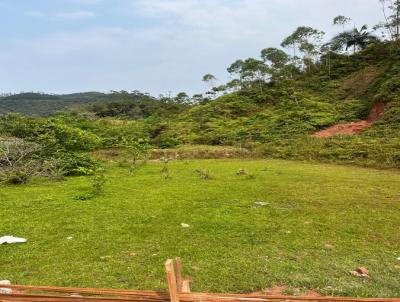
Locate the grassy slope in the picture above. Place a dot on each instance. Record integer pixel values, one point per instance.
(238, 247)
(279, 121)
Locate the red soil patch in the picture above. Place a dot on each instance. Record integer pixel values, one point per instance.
(353, 127)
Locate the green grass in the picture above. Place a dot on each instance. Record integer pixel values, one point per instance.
(236, 245)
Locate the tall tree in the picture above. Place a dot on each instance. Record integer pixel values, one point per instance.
(391, 13)
(305, 39)
(277, 60)
(207, 78)
(341, 21)
(250, 71)
(355, 38)
(182, 98)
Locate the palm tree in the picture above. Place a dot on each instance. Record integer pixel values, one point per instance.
(354, 38)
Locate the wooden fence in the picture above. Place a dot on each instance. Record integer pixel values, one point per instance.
(178, 291)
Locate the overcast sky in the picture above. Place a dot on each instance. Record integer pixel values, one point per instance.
(154, 46)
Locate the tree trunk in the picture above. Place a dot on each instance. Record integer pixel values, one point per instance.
(397, 20)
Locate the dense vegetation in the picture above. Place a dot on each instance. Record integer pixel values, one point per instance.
(271, 107)
(41, 104)
(274, 118)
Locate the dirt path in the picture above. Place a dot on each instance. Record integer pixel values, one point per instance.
(353, 127)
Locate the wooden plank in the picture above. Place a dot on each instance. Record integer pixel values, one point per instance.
(185, 297)
(50, 298)
(260, 298)
(186, 286)
(171, 278)
(88, 291)
(178, 273)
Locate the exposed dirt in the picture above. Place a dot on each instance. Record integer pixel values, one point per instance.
(353, 127)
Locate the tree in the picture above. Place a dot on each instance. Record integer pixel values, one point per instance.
(278, 58)
(235, 67)
(326, 52)
(209, 79)
(341, 20)
(198, 99)
(219, 89)
(250, 71)
(305, 39)
(233, 85)
(356, 38)
(392, 21)
(182, 98)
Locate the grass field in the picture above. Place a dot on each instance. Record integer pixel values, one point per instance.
(247, 233)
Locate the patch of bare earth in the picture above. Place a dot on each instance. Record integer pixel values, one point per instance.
(353, 127)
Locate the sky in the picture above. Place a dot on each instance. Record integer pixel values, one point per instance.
(155, 46)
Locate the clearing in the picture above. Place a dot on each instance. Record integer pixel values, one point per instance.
(281, 223)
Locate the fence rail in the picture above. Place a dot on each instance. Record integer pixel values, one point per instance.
(178, 291)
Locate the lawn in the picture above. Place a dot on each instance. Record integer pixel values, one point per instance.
(284, 223)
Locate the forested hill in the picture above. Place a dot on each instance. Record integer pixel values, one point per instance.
(42, 104)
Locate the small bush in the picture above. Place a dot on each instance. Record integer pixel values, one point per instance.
(204, 174)
(98, 182)
(18, 162)
(165, 169)
(241, 171)
(15, 177)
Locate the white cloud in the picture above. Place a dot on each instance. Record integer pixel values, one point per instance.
(166, 45)
(230, 19)
(255, 18)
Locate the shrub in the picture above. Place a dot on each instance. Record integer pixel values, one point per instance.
(21, 160)
(204, 174)
(75, 164)
(98, 181)
(15, 177)
(18, 162)
(165, 169)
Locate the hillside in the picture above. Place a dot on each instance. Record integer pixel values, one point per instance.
(42, 104)
(275, 118)
(281, 119)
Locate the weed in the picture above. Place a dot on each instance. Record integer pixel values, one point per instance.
(165, 169)
(250, 176)
(204, 174)
(241, 171)
(98, 180)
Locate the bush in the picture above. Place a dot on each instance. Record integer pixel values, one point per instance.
(15, 177)
(18, 161)
(75, 164)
